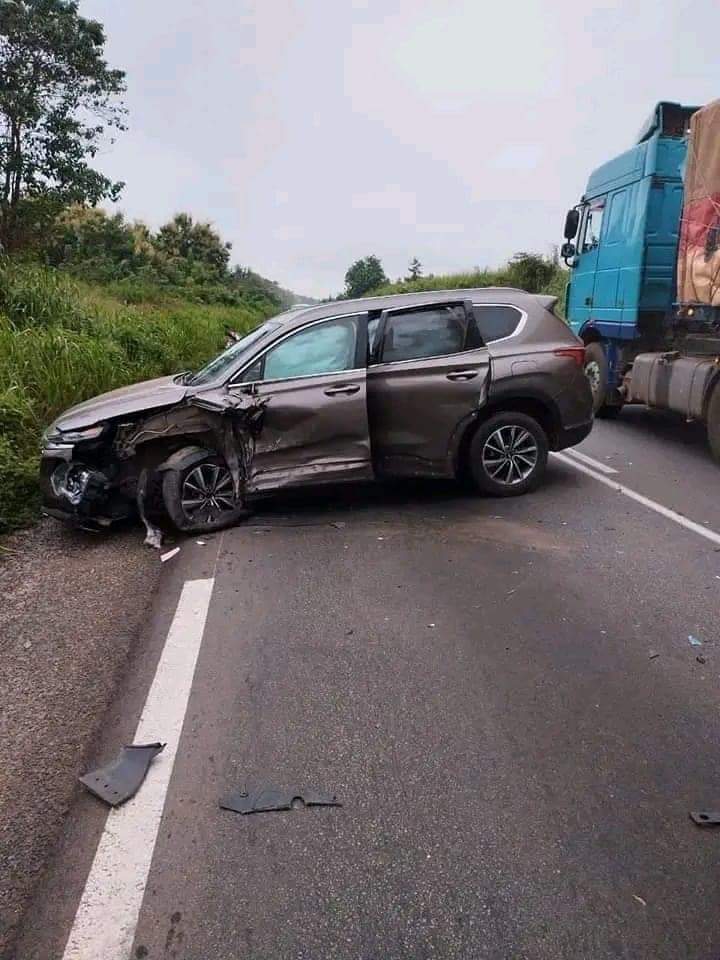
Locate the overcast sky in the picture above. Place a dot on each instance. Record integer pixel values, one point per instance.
(314, 132)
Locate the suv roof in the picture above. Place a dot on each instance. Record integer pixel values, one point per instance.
(337, 308)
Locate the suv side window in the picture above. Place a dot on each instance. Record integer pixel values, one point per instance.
(496, 321)
(426, 332)
(322, 348)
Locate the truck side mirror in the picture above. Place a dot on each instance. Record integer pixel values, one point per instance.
(567, 252)
(571, 224)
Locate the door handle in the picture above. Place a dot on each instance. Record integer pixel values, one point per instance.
(347, 389)
(462, 375)
(588, 301)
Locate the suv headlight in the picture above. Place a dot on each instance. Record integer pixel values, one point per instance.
(70, 437)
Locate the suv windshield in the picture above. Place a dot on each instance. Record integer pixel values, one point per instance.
(233, 356)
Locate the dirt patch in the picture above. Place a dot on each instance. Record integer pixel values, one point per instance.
(70, 607)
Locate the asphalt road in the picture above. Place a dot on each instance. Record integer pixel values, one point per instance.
(502, 694)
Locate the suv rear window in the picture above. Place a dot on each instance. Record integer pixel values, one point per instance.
(496, 320)
(425, 332)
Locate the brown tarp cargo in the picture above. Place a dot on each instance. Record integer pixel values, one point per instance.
(699, 248)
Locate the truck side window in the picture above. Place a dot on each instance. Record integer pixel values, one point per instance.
(593, 225)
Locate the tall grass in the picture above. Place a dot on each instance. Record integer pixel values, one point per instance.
(63, 341)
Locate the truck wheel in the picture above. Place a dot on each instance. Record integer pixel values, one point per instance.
(596, 370)
(508, 454)
(713, 421)
(199, 497)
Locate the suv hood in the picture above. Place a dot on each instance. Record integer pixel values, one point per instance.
(141, 397)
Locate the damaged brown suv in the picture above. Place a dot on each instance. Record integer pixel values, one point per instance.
(464, 382)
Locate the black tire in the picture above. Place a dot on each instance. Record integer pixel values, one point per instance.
(713, 421)
(596, 370)
(606, 404)
(609, 411)
(499, 472)
(223, 510)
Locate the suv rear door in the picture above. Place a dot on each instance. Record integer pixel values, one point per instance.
(427, 377)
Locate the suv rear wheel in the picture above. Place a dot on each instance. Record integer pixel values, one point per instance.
(508, 454)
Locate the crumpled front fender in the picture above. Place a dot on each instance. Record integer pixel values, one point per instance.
(186, 457)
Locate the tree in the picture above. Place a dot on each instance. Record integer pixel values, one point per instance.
(415, 269)
(58, 100)
(196, 242)
(364, 275)
(530, 271)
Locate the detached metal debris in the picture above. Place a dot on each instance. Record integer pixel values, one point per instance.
(705, 818)
(273, 798)
(119, 780)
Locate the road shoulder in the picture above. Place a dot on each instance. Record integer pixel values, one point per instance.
(71, 607)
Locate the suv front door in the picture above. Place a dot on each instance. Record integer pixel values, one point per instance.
(428, 376)
(315, 425)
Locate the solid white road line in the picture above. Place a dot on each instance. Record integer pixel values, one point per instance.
(106, 918)
(602, 467)
(645, 501)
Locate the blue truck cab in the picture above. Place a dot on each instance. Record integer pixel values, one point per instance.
(623, 261)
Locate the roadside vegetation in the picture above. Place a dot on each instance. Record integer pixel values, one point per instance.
(528, 271)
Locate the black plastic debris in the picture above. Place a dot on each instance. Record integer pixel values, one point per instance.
(271, 798)
(121, 779)
(705, 818)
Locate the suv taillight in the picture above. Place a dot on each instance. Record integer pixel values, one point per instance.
(574, 353)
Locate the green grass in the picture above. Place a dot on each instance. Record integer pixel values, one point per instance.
(62, 341)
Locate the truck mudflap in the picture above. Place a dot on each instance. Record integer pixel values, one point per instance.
(671, 382)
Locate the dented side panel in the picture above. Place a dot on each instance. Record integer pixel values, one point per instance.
(313, 429)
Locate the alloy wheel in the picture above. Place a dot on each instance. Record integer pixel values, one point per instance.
(207, 493)
(510, 454)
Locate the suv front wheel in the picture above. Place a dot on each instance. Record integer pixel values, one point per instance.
(508, 454)
(199, 496)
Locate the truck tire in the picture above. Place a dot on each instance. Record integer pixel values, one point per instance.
(508, 454)
(596, 370)
(713, 421)
(198, 495)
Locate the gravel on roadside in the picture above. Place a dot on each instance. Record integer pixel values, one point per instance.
(71, 605)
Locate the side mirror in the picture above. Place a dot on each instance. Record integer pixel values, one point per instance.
(571, 224)
(567, 251)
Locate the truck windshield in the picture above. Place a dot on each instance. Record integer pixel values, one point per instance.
(234, 355)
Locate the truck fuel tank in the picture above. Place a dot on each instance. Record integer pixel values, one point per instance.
(671, 382)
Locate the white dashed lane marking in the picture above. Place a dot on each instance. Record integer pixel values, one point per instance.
(673, 515)
(590, 461)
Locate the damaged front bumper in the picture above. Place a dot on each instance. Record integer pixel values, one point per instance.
(112, 470)
(77, 492)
